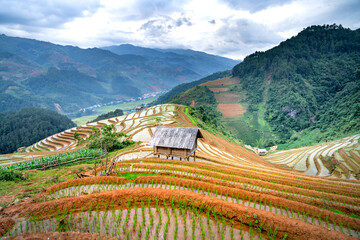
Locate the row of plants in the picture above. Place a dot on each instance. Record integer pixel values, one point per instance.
(56, 160)
(149, 219)
(275, 177)
(250, 216)
(284, 207)
(316, 198)
(241, 180)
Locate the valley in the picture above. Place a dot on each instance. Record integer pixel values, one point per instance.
(67, 78)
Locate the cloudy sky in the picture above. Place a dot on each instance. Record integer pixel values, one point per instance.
(230, 28)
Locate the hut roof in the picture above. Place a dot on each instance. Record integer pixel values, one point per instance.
(175, 137)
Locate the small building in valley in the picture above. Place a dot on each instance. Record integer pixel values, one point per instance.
(175, 141)
(261, 152)
(138, 108)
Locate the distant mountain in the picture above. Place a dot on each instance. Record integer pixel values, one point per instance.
(301, 92)
(42, 74)
(199, 62)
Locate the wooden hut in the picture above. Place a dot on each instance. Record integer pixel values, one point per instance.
(175, 141)
(261, 152)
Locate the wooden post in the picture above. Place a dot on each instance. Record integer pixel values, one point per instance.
(194, 156)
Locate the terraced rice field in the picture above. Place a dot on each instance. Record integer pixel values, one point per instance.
(227, 192)
(197, 200)
(339, 158)
(228, 101)
(64, 141)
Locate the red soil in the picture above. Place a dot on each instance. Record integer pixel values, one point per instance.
(5, 224)
(223, 81)
(192, 103)
(231, 109)
(219, 89)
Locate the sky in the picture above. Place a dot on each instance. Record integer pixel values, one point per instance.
(229, 28)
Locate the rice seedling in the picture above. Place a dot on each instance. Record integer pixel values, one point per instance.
(193, 225)
(147, 236)
(135, 218)
(334, 223)
(271, 234)
(327, 222)
(349, 229)
(341, 227)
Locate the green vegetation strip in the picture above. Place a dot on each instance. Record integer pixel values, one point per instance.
(56, 160)
(186, 111)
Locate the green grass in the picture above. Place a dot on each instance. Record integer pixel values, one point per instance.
(340, 212)
(133, 176)
(36, 182)
(101, 110)
(186, 111)
(305, 138)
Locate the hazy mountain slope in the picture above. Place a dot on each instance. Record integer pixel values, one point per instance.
(87, 75)
(199, 62)
(304, 90)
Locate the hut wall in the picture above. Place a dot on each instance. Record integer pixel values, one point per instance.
(163, 150)
(194, 147)
(180, 152)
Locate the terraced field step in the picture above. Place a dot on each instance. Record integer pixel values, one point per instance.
(142, 223)
(233, 175)
(96, 188)
(309, 161)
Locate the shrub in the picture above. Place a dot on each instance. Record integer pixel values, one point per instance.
(11, 175)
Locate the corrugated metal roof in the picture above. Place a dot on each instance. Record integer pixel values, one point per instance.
(175, 137)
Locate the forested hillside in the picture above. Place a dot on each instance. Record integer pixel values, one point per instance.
(185, 86)
(309, 81)
(29, 125)
(303, 91)
(111, 114)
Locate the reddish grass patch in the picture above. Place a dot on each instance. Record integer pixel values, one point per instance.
(228, 97)
(231, 109)
(219, 89)
(223, 81)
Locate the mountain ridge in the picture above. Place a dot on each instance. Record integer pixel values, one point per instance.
(24, 61)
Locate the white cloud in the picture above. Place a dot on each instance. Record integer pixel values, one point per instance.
(225, 27)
